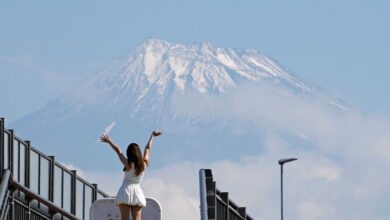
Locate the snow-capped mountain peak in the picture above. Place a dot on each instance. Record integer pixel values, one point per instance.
(202, 67)
(144, 81)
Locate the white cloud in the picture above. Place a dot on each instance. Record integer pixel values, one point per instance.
(314, 211)
(251, 181)
(341, 172)
(346, 153)
(176, 203)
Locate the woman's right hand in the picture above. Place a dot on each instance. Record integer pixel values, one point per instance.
(156, 133)
(105, 138)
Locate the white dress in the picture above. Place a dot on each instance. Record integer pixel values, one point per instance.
(130, 192)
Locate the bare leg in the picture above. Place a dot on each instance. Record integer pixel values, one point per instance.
(125, 209)
(136, 212)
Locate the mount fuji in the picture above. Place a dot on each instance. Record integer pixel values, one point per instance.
(184, 90)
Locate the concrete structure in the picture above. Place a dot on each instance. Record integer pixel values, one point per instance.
(105, 209)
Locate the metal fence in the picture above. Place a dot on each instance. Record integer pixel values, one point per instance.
(216, 205)
(43, 175)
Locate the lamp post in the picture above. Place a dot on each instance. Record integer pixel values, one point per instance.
(281, 163)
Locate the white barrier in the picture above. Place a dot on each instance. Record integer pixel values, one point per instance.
(105, 209)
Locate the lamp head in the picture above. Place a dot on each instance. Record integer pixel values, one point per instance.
(283, 161)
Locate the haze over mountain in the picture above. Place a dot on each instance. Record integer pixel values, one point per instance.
(150, 88)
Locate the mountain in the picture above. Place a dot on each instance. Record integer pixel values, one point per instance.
(146, 89)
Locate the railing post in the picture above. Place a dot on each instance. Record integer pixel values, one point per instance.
(211, 195)
(1, 146)
(51, 178)
(12, 206)
(95, 192)
(242, 212)
(27, 164)
(29, 210)
(225, 198)
(212, 201)
(203, 194)
(73, 192)
(11, 151)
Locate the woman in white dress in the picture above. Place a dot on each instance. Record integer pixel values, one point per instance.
(130, 196)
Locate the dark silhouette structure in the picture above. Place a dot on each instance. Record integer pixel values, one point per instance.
(216, 205)
(35, 186)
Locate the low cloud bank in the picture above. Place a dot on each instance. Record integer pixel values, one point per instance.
(344, 160)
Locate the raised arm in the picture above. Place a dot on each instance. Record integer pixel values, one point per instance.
(149, 146)
(106, 139)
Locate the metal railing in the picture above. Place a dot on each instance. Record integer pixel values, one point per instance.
(216, 205)
(9, 186)
(43, 175)
(4, 193)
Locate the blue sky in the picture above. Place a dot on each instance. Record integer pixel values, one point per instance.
(47, 47)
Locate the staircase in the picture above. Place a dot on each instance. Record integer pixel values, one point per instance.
(35, 186)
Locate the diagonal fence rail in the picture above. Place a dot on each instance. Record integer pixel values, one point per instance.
(4, 193)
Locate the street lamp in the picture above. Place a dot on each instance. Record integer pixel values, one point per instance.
(281, 163)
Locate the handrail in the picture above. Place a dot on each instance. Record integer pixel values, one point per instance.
(4, 210)
(33, 196)
(10, 183)
(4, 187)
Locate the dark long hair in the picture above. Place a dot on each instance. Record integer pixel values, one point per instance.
(134, 157)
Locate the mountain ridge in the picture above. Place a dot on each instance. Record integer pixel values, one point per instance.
(138, 91)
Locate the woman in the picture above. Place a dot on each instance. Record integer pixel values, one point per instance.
(130, 196)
